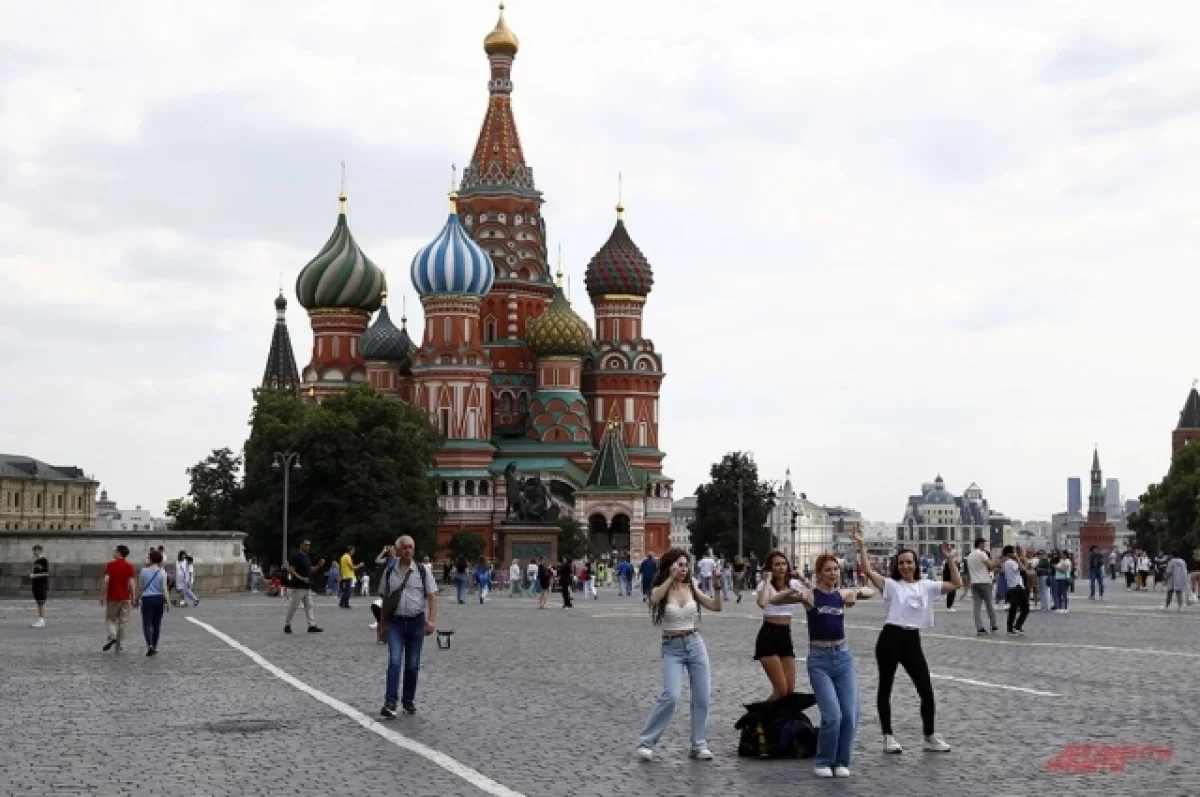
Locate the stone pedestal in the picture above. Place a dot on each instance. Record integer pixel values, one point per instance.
(525, 541)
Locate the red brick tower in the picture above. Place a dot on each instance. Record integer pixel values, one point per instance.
(501, 209)
(1097, 530)
(1188, 430)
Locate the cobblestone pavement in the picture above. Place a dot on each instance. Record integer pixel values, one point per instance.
(550, 702)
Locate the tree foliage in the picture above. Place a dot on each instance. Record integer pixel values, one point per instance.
(466, 545)
(1176, 502)
(362, 478)
(572, 539)
(716, 522)
(214, 495)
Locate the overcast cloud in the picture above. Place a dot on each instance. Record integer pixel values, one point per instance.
(889, 240)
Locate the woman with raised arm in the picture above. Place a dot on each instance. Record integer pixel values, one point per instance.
(773, 647)
(830, 665)
(909, 604)
(674, 604)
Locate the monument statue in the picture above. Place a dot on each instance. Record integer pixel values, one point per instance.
(529, 498)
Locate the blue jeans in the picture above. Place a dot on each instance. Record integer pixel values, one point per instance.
(406, 635)
(626, 586)
(345, 590)
(460, 579)
(152, 614)
(1097, 578)
(706, 584)
(1062, 587)
(679, 654)
(831, 673)
(1047, 599)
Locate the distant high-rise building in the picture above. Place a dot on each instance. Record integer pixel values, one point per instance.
(1132, 506)
(1074, 496)
(1112, 497)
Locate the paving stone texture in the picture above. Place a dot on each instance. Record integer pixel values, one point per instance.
(550, 703)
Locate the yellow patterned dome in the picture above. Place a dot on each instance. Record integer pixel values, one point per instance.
(559, 331)
(501, 39)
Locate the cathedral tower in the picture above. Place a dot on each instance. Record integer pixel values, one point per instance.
(280, 373)
(1188, 430)
(500, 208)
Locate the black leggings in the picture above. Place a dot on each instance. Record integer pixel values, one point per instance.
(950, 596)
(902, 647)
(1018, 608)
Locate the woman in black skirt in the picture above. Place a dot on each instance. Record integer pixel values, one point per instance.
(773, 647)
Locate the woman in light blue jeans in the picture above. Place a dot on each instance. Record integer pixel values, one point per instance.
(674, 605)
(830, 666)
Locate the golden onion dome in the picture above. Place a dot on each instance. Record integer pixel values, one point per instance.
(501, 40)
(559, 331)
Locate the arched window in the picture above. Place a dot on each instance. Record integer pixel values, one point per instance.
(490, 333)
(506, 403)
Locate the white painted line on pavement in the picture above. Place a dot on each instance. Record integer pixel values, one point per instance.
(973, 682)
(476, 779)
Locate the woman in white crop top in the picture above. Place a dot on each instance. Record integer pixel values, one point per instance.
(909, 602)
(773, 647)
(675, 603)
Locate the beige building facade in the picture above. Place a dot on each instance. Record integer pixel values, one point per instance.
(35, 496)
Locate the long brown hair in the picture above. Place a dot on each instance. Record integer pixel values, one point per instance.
(657, 610)
(771, 569)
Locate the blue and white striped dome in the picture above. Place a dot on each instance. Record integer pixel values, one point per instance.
(452, 262)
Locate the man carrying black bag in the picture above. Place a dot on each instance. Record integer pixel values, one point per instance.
(408, 615)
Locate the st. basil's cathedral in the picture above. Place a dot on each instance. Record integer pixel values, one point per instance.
(506, 368)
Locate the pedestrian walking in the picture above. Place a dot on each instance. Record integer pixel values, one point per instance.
(625, 577)
(752, 572)
(300, 570)
(255, 576)
(541, 581)
(1143, 571)
(950, 596)
(531, 576)
(564, 582)
(514, 578)
(39, 580)
(830, 665)
(708, 566)
(588, 576)
(153, 600)
(333, 581)
(1045, 576)
(739, 577)
(1112, 564)
(675, 603)
(410, 609)
(909, 605)
(1013, 571)
(647, 569)
(364, 583)
(460, 578)
(483, 578)
(1129, 568)
(979, 565)
(773, 648)
(1095, 572)
(1062, 582)
(117, 589)
(347, 571)
(1177, 580)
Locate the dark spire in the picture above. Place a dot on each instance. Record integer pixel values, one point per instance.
(1189, 418)
(612, 470)
(281, 373)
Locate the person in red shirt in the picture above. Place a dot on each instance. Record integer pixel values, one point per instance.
(118, 592)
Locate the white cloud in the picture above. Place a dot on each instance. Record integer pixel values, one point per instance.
(888, 241)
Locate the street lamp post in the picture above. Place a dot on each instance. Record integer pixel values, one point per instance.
(285, 461)
(1159, 521)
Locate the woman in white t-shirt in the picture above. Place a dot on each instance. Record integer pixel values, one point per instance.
(909, 603)
(773, 647)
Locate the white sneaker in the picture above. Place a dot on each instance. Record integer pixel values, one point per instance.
(890, 745)
(934, 744)
(373, 625)
(39, 623)
(841, 772)
(952, 609)
(703, 754)
(645, 753)
(823, 772)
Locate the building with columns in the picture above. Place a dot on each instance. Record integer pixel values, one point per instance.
(937, 516)
(811, 533)
(505, 367)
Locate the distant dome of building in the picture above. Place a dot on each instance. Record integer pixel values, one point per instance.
(340, 276)
(384, 342)
(559, 330)
(939, 494)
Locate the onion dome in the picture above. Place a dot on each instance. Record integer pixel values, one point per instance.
(559, 331)
(280, 302)
(382, 341)
(501, 40)
(452, 263)
(619, 267)
(340, 275)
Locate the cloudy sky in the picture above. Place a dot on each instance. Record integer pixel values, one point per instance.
(889, 240)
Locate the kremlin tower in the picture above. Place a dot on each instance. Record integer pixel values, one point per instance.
(1188, 430)
(1097, 530)
(507, 371)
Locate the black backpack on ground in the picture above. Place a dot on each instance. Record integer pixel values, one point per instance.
(778, 729)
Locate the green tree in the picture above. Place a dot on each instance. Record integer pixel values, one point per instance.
(363, 479)
(466, 544)
(716, 522)
(214, 497)
(572, 539)
(1176, 502)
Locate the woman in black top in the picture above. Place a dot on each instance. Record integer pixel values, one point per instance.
(564, 582)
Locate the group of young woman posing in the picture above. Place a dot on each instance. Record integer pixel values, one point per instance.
(675, 603)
